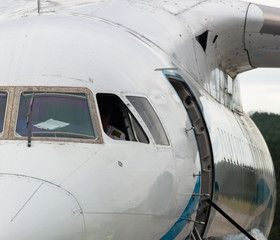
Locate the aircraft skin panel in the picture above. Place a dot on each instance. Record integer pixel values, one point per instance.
(271, 23)
(238, 151)
(35, 205)
(183, 219)
(185, 12)
(144, 203)
(262, 38)
(109, 189)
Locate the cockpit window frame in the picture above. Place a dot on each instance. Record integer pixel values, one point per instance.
(92, 109)
(5, 112)
(8, 111)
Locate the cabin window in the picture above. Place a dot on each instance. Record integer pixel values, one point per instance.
(149, 116)
(118, 122)
(54, 114)
(3, 103)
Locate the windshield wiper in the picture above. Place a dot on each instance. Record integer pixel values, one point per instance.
(28, 120)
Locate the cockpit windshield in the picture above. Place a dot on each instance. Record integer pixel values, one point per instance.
(3, 103)
(54, 114)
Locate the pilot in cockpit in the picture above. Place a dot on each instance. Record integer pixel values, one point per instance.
(111, 131)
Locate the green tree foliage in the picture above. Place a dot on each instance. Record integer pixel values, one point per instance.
(269, 125)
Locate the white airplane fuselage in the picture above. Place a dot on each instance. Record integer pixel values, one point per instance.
(78, 188)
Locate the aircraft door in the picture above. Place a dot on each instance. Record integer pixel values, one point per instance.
(205, 152)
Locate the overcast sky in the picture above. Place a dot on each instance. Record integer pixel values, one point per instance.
(260, 88)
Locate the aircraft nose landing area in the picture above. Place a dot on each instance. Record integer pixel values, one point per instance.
(34, 209)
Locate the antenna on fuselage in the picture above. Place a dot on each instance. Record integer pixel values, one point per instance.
(38, 5)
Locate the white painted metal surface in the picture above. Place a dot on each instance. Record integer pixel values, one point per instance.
(123, 189)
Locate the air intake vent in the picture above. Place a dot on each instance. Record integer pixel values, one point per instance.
(202, 39)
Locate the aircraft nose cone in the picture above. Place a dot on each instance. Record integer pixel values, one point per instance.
(32, 209)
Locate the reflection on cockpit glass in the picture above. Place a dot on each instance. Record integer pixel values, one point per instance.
(3, 102)
(53, 114)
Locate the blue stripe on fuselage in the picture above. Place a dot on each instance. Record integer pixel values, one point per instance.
(184, 218)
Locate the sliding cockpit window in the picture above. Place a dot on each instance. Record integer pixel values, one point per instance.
(3, 104)
(148, 114)
(55, 115)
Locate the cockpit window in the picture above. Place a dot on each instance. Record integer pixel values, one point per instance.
(3, 103)
(54, 114)
(118, 122)
(146, 111)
